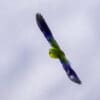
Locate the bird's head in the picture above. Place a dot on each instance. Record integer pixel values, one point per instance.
(55, 53)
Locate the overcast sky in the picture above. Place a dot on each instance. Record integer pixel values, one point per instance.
(27, 72)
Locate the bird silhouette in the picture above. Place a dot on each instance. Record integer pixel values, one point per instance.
(55, 50)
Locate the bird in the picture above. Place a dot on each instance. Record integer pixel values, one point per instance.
(55, 51)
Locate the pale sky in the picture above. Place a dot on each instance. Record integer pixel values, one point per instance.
(26, 70)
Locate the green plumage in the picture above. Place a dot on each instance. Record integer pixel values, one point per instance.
(55, 53)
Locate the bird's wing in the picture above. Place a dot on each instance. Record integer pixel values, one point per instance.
(48, 35)
(69, 71)
(46, 31)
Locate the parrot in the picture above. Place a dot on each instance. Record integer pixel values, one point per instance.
(55, 51)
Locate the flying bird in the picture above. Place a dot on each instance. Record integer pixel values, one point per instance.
(55, 50)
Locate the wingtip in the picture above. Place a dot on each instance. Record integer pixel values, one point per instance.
(75, 80)
(78, 82)
(38, 16)
(71, 74)
(73, 77)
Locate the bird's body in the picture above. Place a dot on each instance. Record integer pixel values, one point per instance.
(55, 51)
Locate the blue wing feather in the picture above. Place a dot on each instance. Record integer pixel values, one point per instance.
(44, 27)
(46, 31)
(70, 72)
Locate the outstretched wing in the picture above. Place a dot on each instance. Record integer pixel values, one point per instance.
(69, 71)
(46, 31)
(48, 35)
